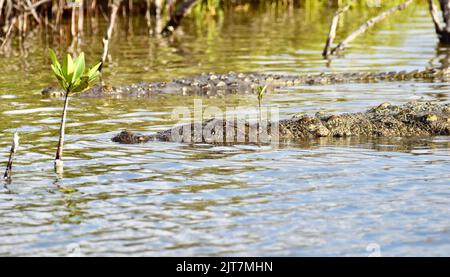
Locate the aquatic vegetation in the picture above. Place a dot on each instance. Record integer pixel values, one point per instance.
(72, 78)
(261, 90)
(71, 74)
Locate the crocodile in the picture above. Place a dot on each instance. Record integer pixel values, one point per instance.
(212, 84)
(413, 119)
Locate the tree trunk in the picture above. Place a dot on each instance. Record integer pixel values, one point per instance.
(442, 28)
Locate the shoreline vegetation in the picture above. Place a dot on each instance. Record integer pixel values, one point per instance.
(69, 20)
(74, 18)
(18, 18)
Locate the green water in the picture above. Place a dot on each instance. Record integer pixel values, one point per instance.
(317, 198)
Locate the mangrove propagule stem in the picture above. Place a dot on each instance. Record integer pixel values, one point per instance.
(62, 131)
(14, 147)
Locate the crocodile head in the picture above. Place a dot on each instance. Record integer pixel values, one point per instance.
(126, 137)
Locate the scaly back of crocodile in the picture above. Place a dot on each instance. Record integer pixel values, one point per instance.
(210, 84)
(386, 120)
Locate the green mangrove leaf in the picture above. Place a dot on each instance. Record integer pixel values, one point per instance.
(82, 85)
(79, 66)
(57, 72)
(94, 70)
(261, 91)
(64, 85)
(69, 79)
(71, 75)
(62, 82)
(94, 76)
(67, 67)
(53, 57)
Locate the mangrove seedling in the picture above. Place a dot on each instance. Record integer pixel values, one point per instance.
(12, 152)
(72, 78)
(261, 91)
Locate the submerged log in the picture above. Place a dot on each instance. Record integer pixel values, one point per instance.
(409, 120)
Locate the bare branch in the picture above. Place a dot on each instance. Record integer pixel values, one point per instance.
(333, 28)
(368, 24)
(177, 16)
(8, 33)
(37, 4)
(112, 20)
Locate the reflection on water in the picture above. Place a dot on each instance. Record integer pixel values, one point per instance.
(324, 197)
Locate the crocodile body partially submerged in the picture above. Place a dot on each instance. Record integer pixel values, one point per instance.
(211, 84)
(413, 119)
